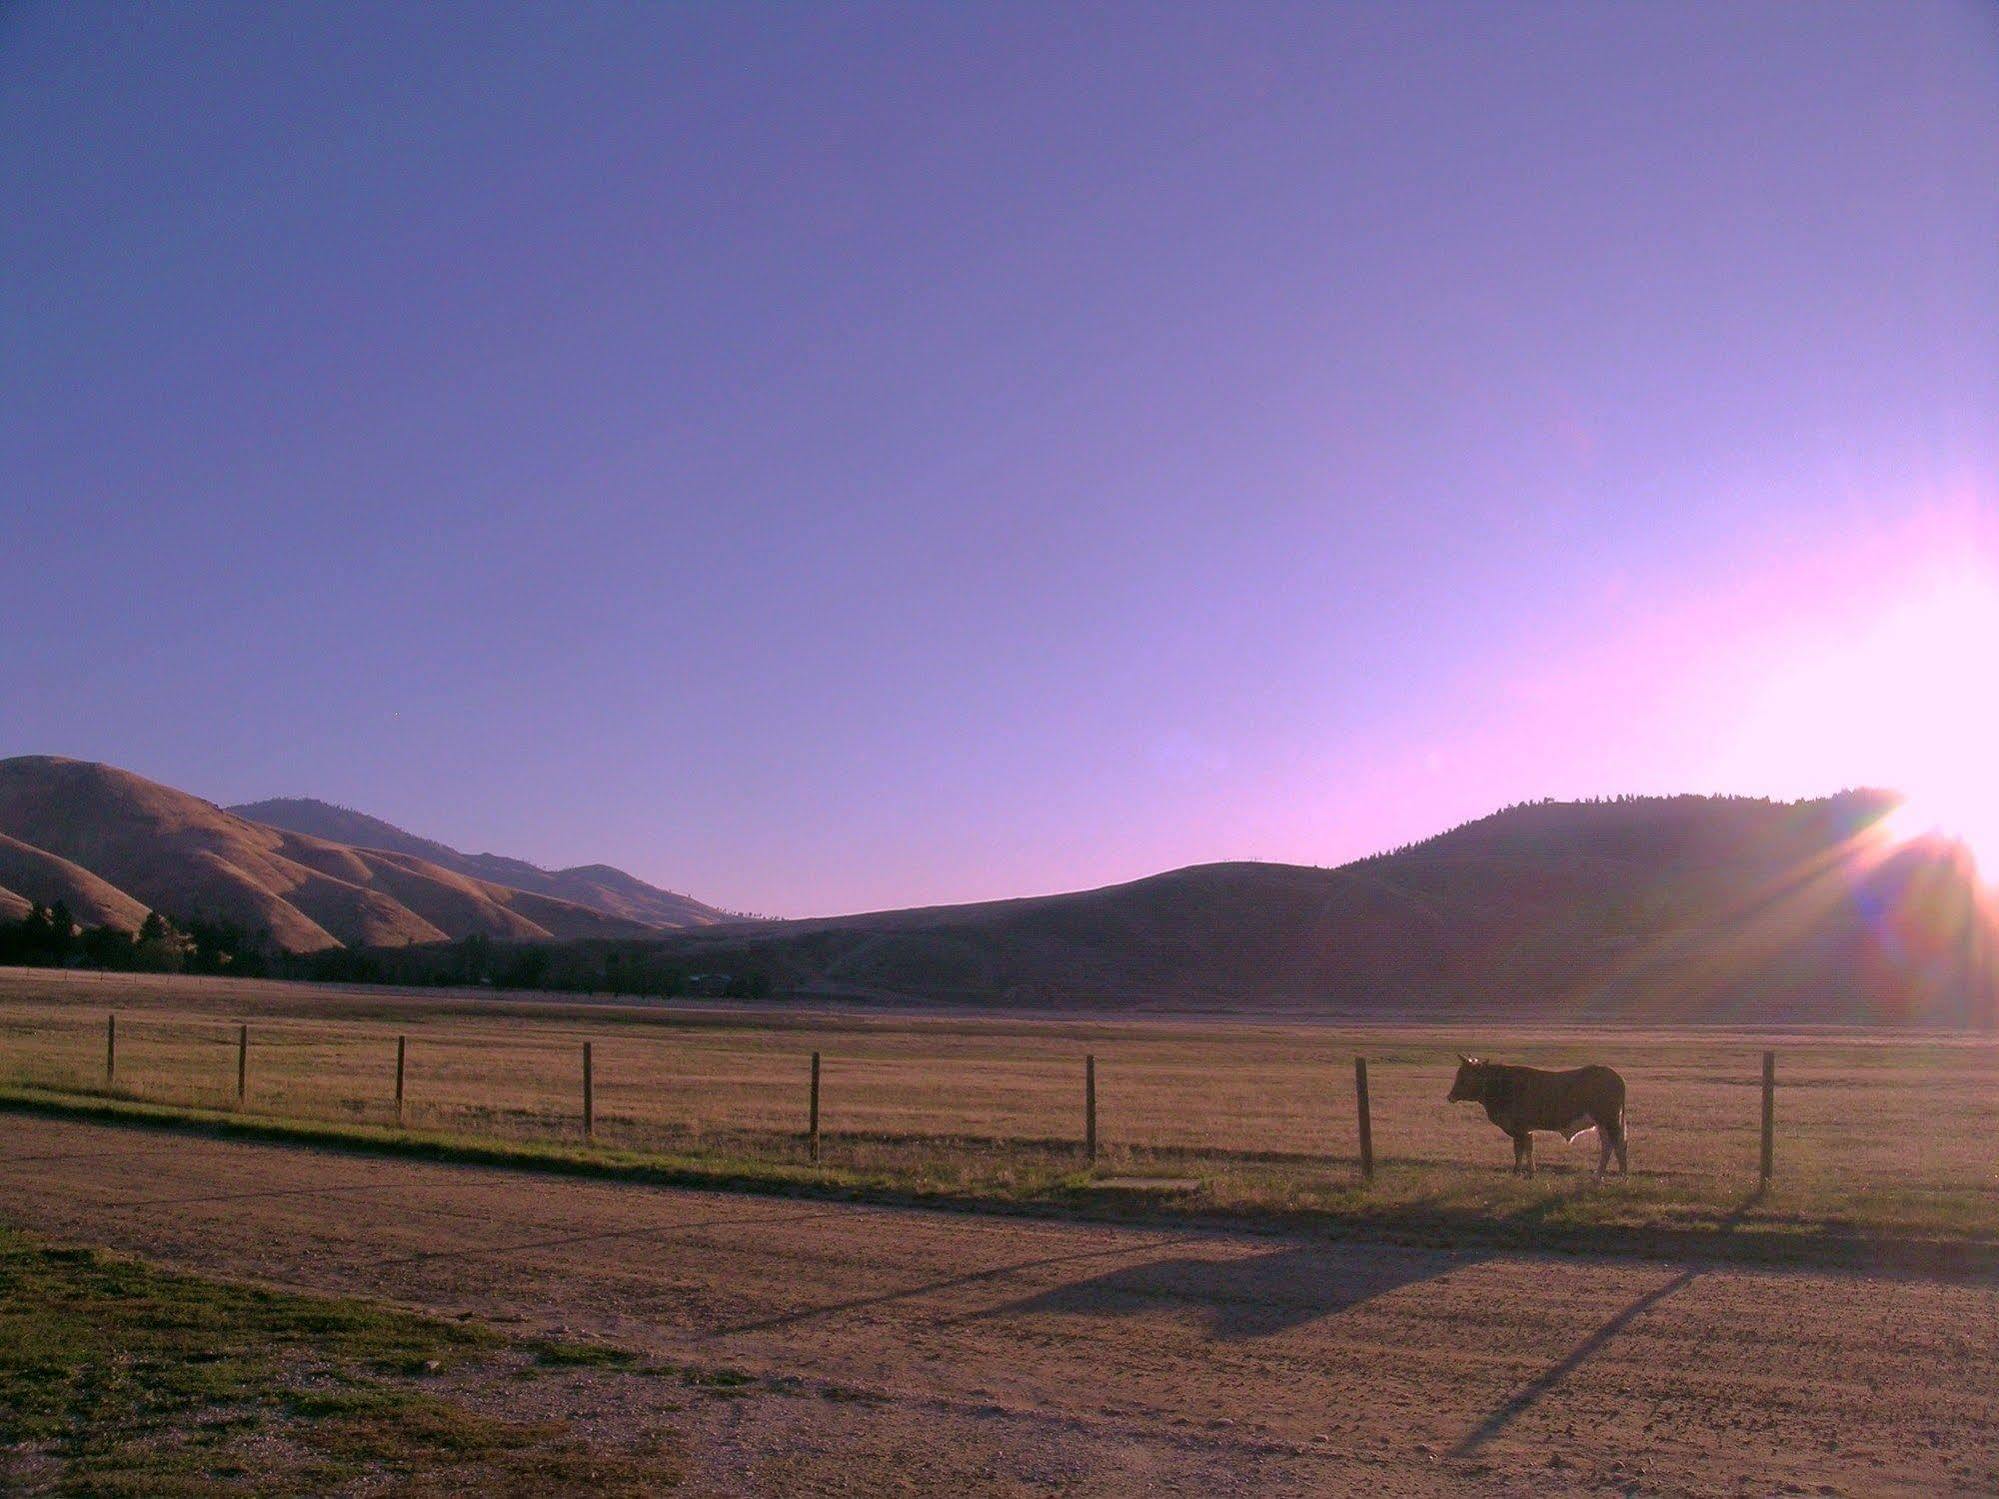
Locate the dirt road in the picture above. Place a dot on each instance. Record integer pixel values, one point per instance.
(904, 1351)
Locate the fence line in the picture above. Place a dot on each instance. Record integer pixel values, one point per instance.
(333, 1032)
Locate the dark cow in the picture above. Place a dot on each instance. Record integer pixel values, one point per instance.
(1521, 1100)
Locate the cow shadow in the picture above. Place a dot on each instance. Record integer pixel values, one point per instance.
(1241, 1297)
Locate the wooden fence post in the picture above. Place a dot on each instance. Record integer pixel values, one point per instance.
(1090, 1108)
(1769, 1115)
(812, 1123)
(1366, 1121)
(402, 1051)
(110, 1048)
(242, 1064)
(589, 1097)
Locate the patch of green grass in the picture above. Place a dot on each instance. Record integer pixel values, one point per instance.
(117, 1378)
(583, 1356)
(846, 1394)
(714, 1170)
(718, 1379)
(1564, 1209)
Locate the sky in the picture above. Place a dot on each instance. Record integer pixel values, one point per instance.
(832, 457)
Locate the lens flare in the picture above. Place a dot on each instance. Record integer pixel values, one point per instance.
(1970, 823)
(1905, 699)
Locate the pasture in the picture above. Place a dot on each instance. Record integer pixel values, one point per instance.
(1877, 1132)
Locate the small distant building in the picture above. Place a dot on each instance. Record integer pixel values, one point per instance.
(708, 985)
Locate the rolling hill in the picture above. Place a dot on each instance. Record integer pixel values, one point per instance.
(91, 901)
(1680, 907)
(115, 845)
(597, 886)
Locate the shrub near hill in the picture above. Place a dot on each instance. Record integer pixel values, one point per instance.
(564, 968)
(49, 937)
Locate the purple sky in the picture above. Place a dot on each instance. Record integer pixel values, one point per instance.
(829, 457)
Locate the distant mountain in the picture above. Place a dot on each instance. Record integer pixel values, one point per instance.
(1662, 907)
(597, 886)
(114, 845)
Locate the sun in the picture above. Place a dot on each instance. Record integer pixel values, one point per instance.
(1969, 820)
(1929, 714)
(1904, 696)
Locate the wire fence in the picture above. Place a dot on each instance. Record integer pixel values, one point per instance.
(1915, 1117)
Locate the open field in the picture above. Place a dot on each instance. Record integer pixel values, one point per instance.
(841, 1349)
(1878, 1132)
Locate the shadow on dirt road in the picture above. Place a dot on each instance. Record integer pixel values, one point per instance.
(1544, 1383)
(1240, 1297)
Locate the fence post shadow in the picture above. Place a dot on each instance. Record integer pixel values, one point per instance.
(1544, 1383)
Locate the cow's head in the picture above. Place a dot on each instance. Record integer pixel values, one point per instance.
(1469, 1086)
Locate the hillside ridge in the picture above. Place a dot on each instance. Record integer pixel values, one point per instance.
(1684, 907)
(78, 830)
(599, 887)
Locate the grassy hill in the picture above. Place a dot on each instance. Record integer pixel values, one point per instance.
(90, 900)
(1682, 907)
(597, 886)
(115, 845)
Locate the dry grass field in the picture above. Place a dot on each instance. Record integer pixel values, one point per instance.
(1878, 1132)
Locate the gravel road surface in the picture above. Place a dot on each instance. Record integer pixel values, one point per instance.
(908, 1351)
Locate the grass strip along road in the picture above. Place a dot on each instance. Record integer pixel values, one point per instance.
(1564, 1210)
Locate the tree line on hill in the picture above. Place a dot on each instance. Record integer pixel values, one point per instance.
(51, 937)
(563, 968)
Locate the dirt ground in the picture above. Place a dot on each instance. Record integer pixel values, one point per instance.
(898, 1351)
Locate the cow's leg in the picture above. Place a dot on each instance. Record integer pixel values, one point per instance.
(1523, 1152)
(1516, 1155)
(1604, 1135)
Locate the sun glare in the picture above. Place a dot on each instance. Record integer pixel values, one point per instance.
(1930, 719)
(1975, 827)
(1903, 698)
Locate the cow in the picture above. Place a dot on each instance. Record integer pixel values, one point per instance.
(1521, 1100)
